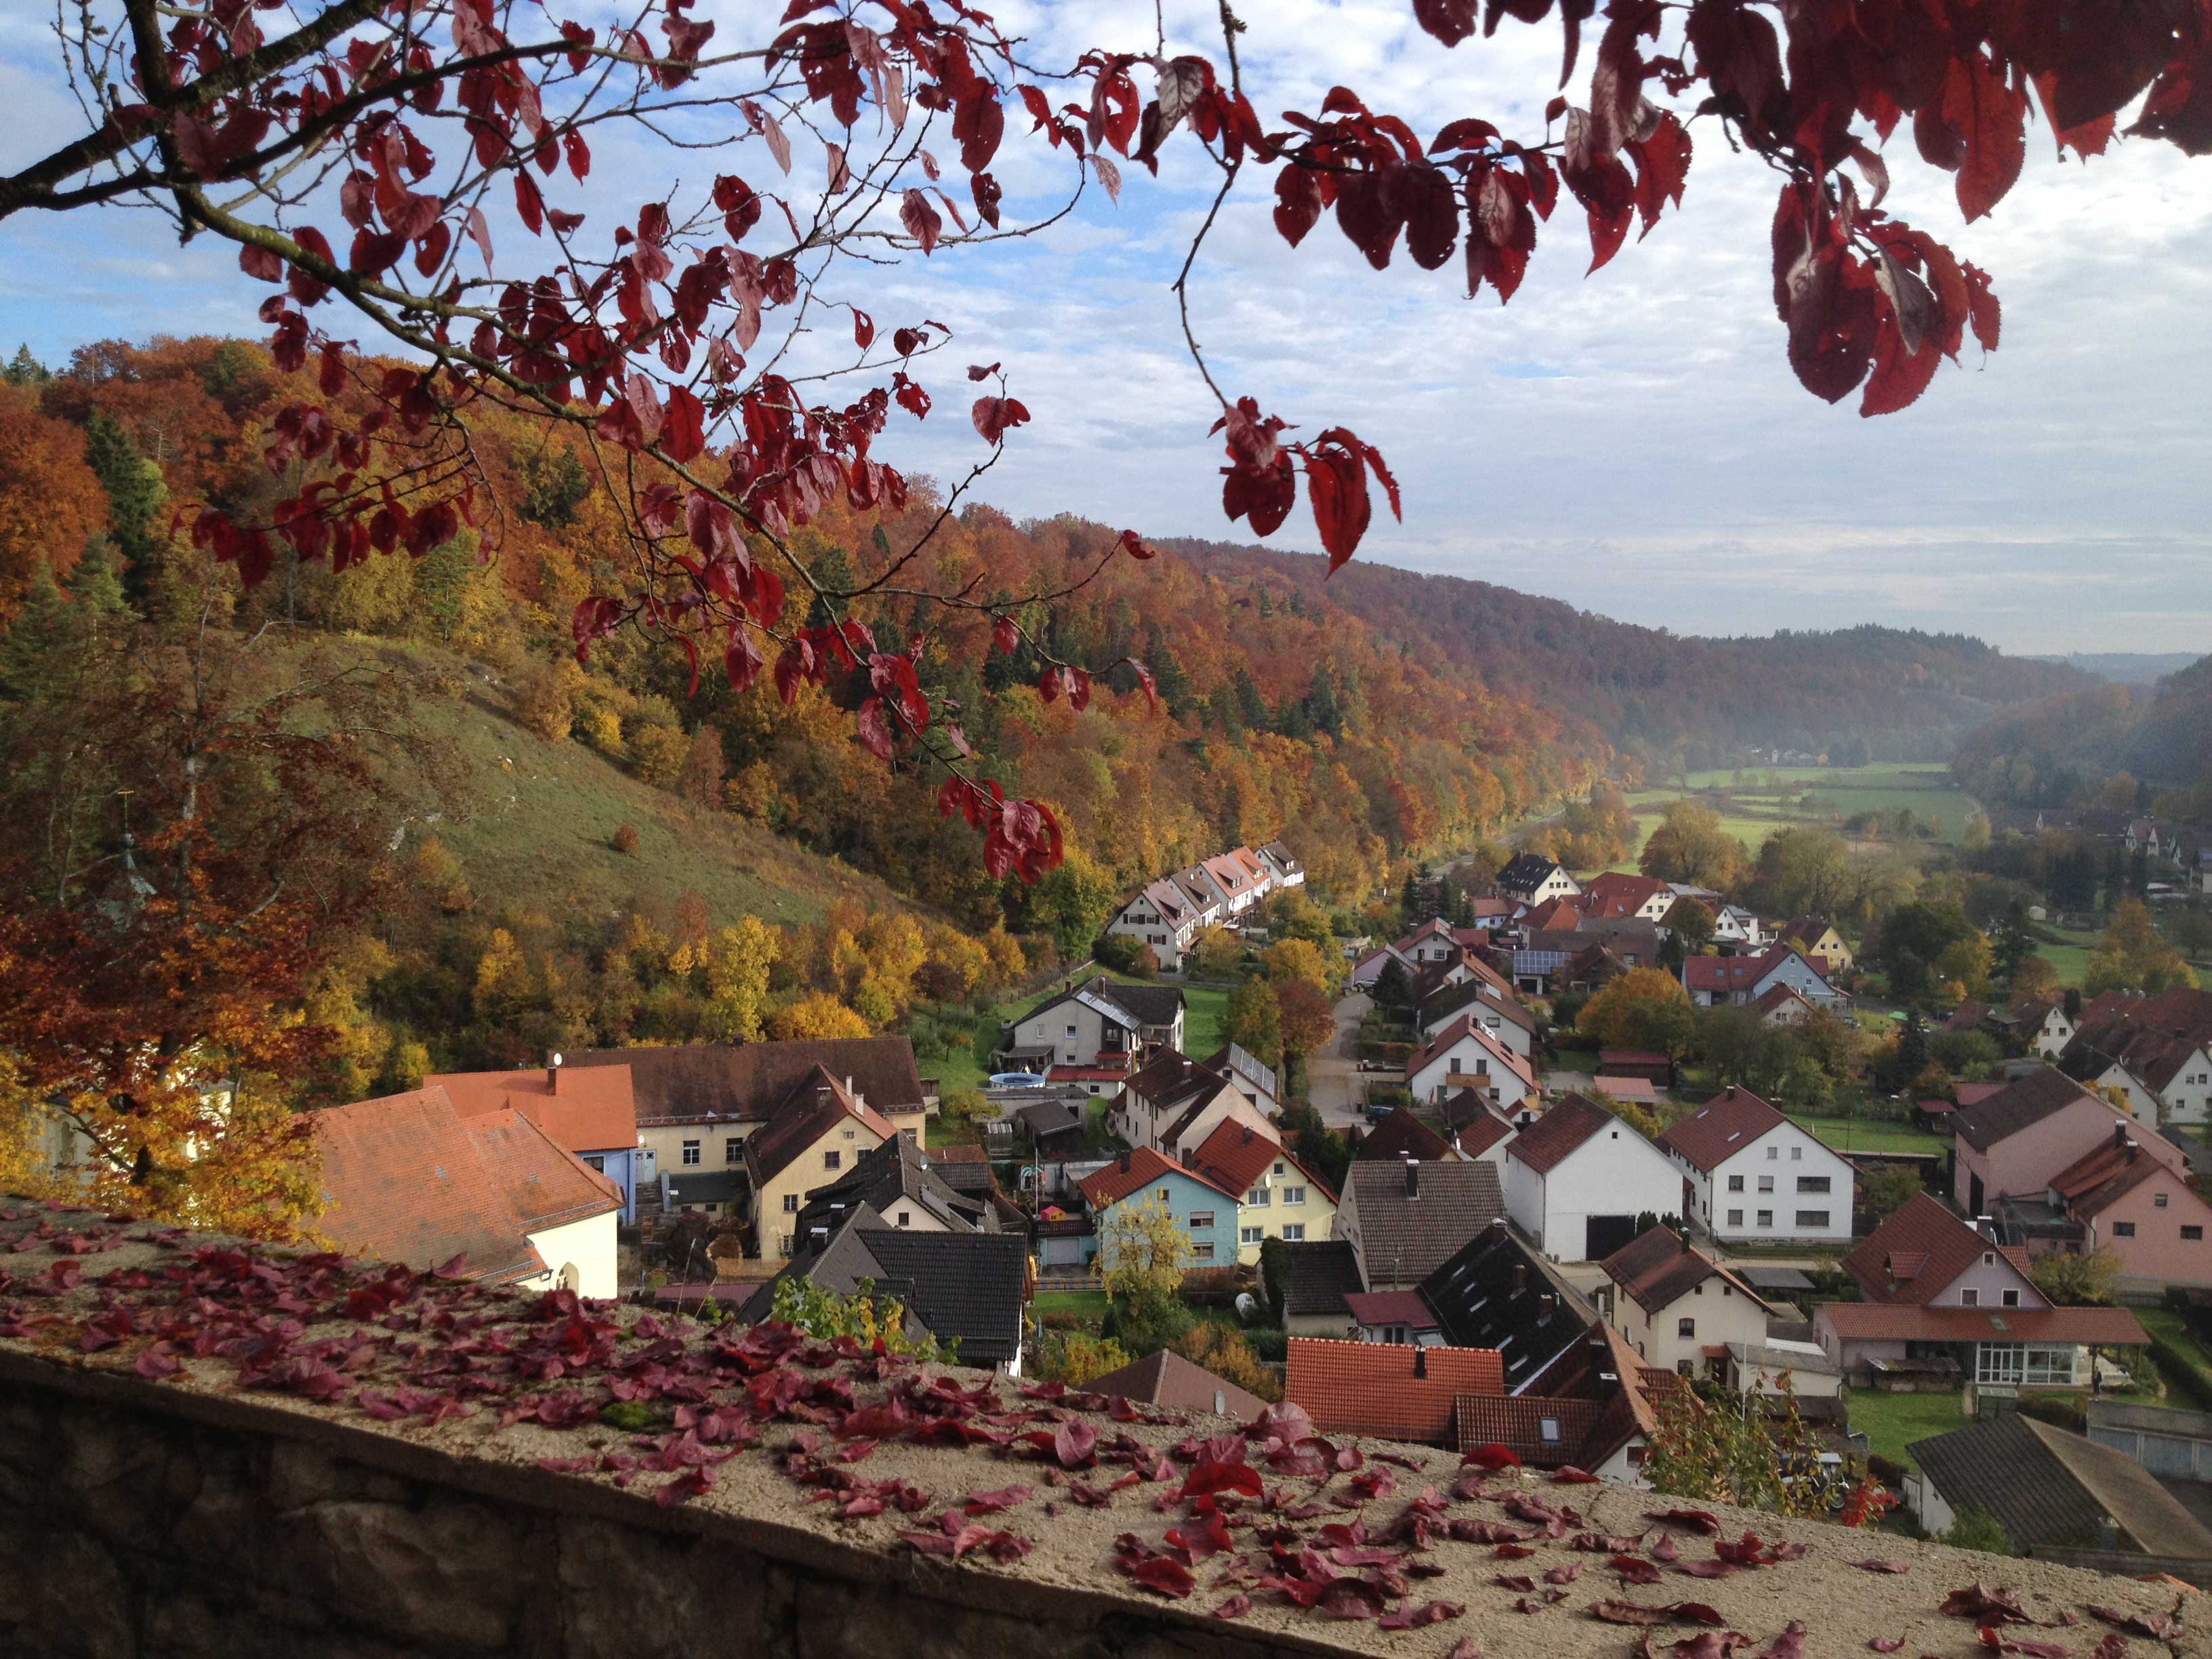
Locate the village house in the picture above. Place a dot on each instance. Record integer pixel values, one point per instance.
(1715, 982)
(1279, 1196)
(1530, 878)
(1241, 886)
(899, 1180)
(1465, 1056)
(1097, 1022)
(1206, 1214)
(1493, 1004)
(1817, 937)
(1174, 1103)
(1403, 1221)
(822, 1131)
(1318, 1278)
(2139, 1205)
(1751, 1175)
(1164, 1377)
(1592, 1407)
(1401, 1135)
(2040, 1024)
(1782, 1005)
(1577, 1179)
(2050, 1489)
(1163, 916)
(408, 1178)
(696, 1103)
(1677, 1306)
(589, 1111)
(1205, 899)
(1617, 893)
(1256, 1082)
(1496, 1293)
(1923, 1256)
(2157, 1050)
(2014, 1142)
(1433, 945)
(1283, 865)
(1477, 1131)
(1734, 928)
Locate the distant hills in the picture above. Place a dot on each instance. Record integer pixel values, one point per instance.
(2124, 667)
(1857, 694)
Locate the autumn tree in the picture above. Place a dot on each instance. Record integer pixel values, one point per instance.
(653, 334)
(2073, 1278)
(1298, 959)
(1688, 845)
(2132, 956)
(1308, 1019)
(1218, 953)
(50, 502)
(1254, 1021)
(1622, 1013)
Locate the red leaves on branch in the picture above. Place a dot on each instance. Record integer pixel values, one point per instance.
(994, 416)
(923, 222)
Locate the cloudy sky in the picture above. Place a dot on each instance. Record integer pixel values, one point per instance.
(1633, 443)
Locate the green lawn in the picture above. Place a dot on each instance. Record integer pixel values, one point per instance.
(1754, 802)
(1892, 1422)
(1859, 1134)
(1088, 1306)
(2068, 952)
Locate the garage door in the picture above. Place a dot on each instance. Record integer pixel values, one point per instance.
(1607, 1233)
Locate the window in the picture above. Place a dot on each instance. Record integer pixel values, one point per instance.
(690, 1151)
(1071, 1028)
(1812, 1183)
(1766, 1183)
(731, 1145)
(783, 1244)
(1164, 1195)
(1970, 1297)
(1766, 1217)
(848, 1134)
(1817, 1219)
(2192, 1235)
(2124, 1229)
(598, 1161)
(1294, 1232)
(1796, 1154)
(2033, 1364)
(2012, 1299)
(790, 1206)
(1547, 1431)
(1773, 1152)
(1201, 1253)
(1294, 1195)
(905, 1219)
(832, 1160)
(1201, 1221)
(1260, 1198)
(1686, 1329)
(1251, 1235)
(1686, 1367)
(1280, 1169)
(2158, 1201)
(1736, 1217)
(1735, 1183)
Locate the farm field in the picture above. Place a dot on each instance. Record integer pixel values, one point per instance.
(1860, 1135)
(1754, 802)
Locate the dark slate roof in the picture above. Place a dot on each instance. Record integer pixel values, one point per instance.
(1402, 1240)
(706, 1186)
(896, 1172)
(1481, 1301)
(1166, 1378)
(1321, 1273)
(1051, 1117)
(1526, 870)
(966, 1169)
(1145, 1005)
(1467, 993)
(2048, 1488)
(1403, 1136)
(750, 1081)
(2020, 1105)
(967, 1286)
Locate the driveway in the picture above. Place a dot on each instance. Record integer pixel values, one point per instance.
(1333, 1081)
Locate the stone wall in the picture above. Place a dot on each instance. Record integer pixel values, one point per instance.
(137, 1524)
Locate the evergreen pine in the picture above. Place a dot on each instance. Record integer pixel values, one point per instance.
(136, 494)
(24, 370)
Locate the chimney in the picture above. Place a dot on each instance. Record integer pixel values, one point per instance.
(1125, 1163)
(1520, 1278)
(1731, 1095)
(1546, 1305)
(2119, 1135)
(1413, 1177)
(1420, 1360)
(553, 1073)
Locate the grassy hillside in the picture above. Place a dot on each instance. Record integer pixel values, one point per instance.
(534, 823)
(1755, 803)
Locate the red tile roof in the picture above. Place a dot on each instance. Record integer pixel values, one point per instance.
(1547, 1142)
(1111, 1185)
(1391, 1307)
(1166, 1378)
(1373, 1387)
(587, 1109)
(1554, 914)
(817, 1103)
(409, 1179)
(1638, 1089)
(1469, 1024)
(1724, 1126)
(1888, 1321)
(1479, 1136)
(1731, 973)
(2095, 1181)
(1921, 1249)
(1617, 893)
(1234, 1157)
(1517, 1425)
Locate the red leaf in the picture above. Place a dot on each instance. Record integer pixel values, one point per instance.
(531, 206)
(1166, 1575)
(1989, 116)
(922, 222)
(1073, 1443)
(1005, 636)
(990, 1502)
(1297, 203)
(1491, 1457)
(1702, 1520)
(875, 732)
(1235, 1607)
(993, 415)
(1569, 1475)
(1135, 545)
(1882, 1566)
(683, 428)
(1336, 486)
(1987, 316)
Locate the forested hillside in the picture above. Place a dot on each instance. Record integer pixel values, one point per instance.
(2119, 746)
(1676, 702)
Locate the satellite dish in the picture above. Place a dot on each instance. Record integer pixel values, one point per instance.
(1247, 1308)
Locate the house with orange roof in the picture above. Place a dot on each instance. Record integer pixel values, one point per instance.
(1207, 1213)
(1278, 1197)
(591, 1111)
(409, 1178)
(2140, 1207)
(821, 1131)
(1390, 1390)
(1620, 893)
(1465, 1056)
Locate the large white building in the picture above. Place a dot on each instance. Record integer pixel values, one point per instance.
(1752, 1176)
(1577, 1179)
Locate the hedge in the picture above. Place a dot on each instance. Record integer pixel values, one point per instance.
(2056, 1408)
(2183, 1371)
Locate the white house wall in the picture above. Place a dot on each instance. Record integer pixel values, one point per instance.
(588, 1245)
(1615, 1172)
(1798, 1156)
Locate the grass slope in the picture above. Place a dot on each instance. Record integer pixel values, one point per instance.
(534, 823)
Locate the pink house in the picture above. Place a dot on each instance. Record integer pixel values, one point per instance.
(2017, 1139)
(2131, 1201)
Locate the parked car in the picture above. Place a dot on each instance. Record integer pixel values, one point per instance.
(1016, 1081)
